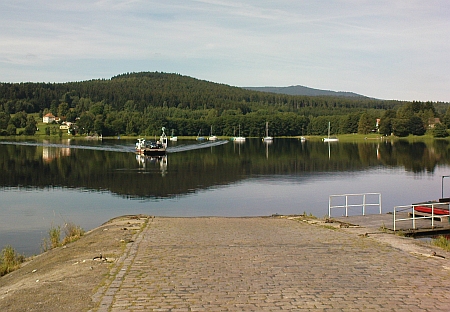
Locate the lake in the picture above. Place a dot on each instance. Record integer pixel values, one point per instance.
(50, 183)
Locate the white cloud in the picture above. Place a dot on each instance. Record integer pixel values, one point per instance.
(385, 49)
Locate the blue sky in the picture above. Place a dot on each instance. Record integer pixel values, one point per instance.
(389, 49)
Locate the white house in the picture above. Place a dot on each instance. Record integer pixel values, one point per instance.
(48, 118)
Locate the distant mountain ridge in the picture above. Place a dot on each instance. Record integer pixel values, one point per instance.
(302, 90)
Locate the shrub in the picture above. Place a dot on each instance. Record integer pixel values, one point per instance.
(54, 238)
(9, 260)
(72, 233)
(442, 242)
(440, 131)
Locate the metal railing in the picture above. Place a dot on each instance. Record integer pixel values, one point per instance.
(417, 215)
(351, 201)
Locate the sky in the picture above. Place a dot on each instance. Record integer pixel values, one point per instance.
(386, 49)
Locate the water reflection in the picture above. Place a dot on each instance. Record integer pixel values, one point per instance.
(44, 166)
(147, 161)
(50, 153)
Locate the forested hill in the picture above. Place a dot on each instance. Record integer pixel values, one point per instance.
(141, 103)
(302, 90)
(138, 91)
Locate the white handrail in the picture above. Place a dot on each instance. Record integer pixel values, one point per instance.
(414, 214)
(363, 203)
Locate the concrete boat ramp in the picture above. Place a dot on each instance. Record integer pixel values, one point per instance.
(278, 263)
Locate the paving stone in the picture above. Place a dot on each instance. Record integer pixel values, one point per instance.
(268, 264)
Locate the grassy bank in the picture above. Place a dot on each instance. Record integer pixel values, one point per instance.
(55, 133)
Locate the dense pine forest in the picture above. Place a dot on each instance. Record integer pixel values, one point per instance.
(142, 103)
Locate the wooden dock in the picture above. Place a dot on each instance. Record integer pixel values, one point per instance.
(385, 222)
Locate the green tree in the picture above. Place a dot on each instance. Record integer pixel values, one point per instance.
(86, 123)
(19, 119)
(416, 126)
(4, 120)
(31, 126)
(366, 123)
(97, 109)
(440, 131)
(66, 98)
(385, 126)
(446, 118)
(11, 129)
(71, 115)
(349, 123)
(129, 106)
(98, 124)
(63, 109)
(400, 127)
(54, 107)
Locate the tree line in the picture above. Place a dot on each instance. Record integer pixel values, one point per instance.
(142, 103)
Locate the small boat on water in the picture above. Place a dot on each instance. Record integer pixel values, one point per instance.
(199, 136)
(267, 138)
(173, 138)
(239, 138)
(330, 139)
(440, 207)
(212, 137)
(152, 148)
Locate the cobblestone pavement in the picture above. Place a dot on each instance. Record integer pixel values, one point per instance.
(269, 264)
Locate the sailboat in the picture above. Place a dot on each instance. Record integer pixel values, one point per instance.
(211, 136)
(330, 139)
(267, 138)
(239, 138)
(199, 136)
(173, 138)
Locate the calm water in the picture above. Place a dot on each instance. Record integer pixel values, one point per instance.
(88, 183)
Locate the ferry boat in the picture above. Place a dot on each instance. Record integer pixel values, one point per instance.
(152, 148)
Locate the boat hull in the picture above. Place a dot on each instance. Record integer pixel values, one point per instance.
(152, 151)
(437, 210)
(239, 139)
(331, 140)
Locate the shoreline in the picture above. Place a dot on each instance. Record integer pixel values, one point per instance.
(343, 138)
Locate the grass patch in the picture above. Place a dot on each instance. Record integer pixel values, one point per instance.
(72, 233)
(54, 238)
(383, 228)
(10, 260)
(441, 242)
(330, 227)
